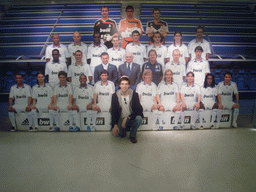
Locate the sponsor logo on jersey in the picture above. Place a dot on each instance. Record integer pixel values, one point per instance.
(42, 95)
(104, 30)
(208, 96)
(226, 94)
(21, 96)
(25, 122)
(77, 74)
(54, 73)
(94, 55)
(103, 94)
(169, 93)
(43, 121)
(85, 97)
(176, 73)
(159, 55)
(136, 53)
(198, 70)
(63, 95)
(116, 59)
(144, 121)
(146, 94)
(189, 95)
(100, 121)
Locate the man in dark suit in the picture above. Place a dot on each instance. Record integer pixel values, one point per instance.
(130, 69)
(112, 70)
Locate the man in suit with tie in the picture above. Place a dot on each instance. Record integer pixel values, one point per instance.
(112, 70)
(130, 69)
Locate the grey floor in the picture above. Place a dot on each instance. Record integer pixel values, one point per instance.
(200, 160)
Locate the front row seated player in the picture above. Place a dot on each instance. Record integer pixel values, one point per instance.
(20, 94)
(168, 98)
(190, 95)
(225, 96)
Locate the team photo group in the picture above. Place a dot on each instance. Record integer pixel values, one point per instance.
(119, 75)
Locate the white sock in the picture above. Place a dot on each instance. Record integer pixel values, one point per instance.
(29, 115)
(219, 114)
(155, 112)
(94, 117)
(89, 117)
(51, 115)
(182, 116)
(160, 117)
(177, 116)
(76, 117)
(12, 118)
(194, 117)
(235, 114)
(56, 117)
(201, 111)
(214, 114)
(70, 118)
(34, 116)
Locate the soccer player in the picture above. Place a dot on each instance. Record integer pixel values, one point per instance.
(82, 102)
(20, 95)
(209, 94)
(128, 25)
(168, 98)
(199, 66)
(126, 110)
(178, 69)
(42, 94)
(190, 96)
(64, 54)
(52, 68)
(154, 66)
(199, 41)
(74, 71)
(137, 49)
(77, 45)
(177, 44)
(225, 96)
(161, 50)
(62, 98)
(106, 27)
(157, 25)
(116, 53)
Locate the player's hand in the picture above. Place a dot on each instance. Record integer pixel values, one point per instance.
(220, 106)
(28, 108)
(115, 130)
(50, 106)
(236, 105)
(55, 107)
(124, 122)
(69, 107)
(33, 107)
(11, 109)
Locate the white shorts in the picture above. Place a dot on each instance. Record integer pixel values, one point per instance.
(190, 105)
(168, 105)
(147, 106)
(42, 109)
(104, 107)
(228, 105)
(208, 104)
(19, 108)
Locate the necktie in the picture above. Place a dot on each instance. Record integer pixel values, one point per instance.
(129, 69)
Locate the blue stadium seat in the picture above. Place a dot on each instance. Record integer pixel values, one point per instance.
(32, 78)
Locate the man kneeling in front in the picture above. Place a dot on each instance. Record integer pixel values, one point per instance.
(126, 110)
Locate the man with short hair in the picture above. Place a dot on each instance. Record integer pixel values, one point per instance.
(116, 53)
(75, 46)
(106, 27)
(128, 25)
(137, 49)
(199, 41)
(20, 94)
(126, 110)
(64, 54)
(105, 65)
(157, 25)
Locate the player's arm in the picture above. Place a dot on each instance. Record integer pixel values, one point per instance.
(70, 101)
(10, 108)
(183, 103)
(207, 56)
(33, 103)
(237, 100)
(178, 98)
(95, 96)
(197, 105)
(219, 100)
(28, 108)
(158, 100)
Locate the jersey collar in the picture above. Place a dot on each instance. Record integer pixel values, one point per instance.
(20, 87)
(228, 84)
(191, 86)
(102, 84)
(64, 86)
(147, 84)
(200, 42)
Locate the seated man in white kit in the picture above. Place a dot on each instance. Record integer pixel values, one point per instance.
(190, 96)
(168, 98)
(82, 102)
(103, 91)
(79, 68)
(42, 94)
(20, 94)
(226, 89)
(178, 69)
(63, 97)
(209, 94)
(147, 93)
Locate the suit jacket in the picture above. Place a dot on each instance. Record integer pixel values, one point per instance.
(112, 73)
(135, 73)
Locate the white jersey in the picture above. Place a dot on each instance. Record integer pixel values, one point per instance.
(83, 95)
(183, 52)
(227, 91)
(42, 94)
(190, 92)
(194, 43)
(74, 71)
(62, 50)
(147, 92)
(161, 53)
(94, 53)
(116, 57)
(168, 92)
(72, 48)
(20, 94)
(138, 52)
(178, 71)
(52, 69)
(104, 91)
(62, 93)
(209, 94)
(199, 68)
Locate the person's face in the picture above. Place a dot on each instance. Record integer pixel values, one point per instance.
(55, 55)
(82, 80)
(78, 56)
(104, 12)
(55, 39)
(209, 80)
(104, 77)
(176, 55)
(124, 85)
(177, 38)
(227, 78)
(168, 76)
(77, 37)
(19, 79)
(105, 59)
(136, 37)
(156, 15)
(152, 56)
(115, 42)
(62, 79)
(147, 78)
(129, 13)
(157, 38)
(198, 54)
(199, 33)
(190, 78)
(128, 58)
(40, 78)
(96, 38)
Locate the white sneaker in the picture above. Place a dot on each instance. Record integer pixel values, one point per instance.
(234, 124)
(217, 126)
